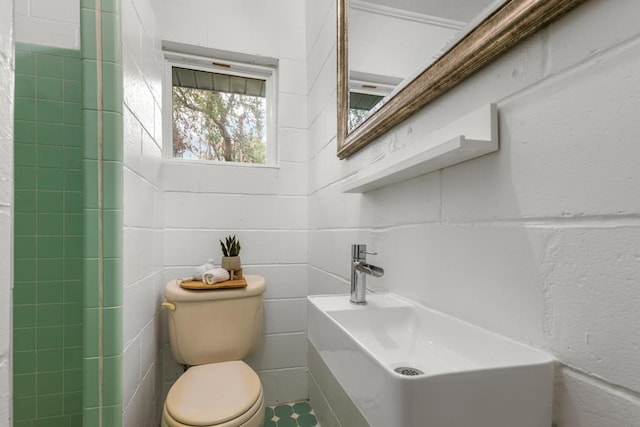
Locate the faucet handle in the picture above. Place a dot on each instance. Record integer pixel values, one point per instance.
(358, 250)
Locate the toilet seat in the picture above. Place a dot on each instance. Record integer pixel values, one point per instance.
(226, 394)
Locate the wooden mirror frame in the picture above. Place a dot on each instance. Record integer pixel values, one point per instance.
(509, 24)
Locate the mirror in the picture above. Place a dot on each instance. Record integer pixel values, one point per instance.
(396, 56)
(390, 39)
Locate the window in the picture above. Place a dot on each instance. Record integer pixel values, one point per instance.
(359, 106)
(366, 92)
(220, 110)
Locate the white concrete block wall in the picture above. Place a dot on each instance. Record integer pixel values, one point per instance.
(48, 23)
(143, 216)
(265, 207)
(6, 204)
(538, 241)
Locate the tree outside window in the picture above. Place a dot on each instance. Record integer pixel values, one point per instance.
(218, 117)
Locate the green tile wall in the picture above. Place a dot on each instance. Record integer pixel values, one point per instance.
(48, 295)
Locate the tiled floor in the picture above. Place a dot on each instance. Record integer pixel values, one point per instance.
(297, 414)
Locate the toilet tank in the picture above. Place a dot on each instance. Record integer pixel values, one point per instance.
(211, 326)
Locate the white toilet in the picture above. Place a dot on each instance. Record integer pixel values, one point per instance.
(211, 331)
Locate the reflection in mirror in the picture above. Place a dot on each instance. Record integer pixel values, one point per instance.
(366, 92)
(390, 40)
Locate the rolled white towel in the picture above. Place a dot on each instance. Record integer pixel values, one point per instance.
(199, 271)
(215, 275)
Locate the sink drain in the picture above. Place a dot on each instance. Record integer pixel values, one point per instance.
(410, 372)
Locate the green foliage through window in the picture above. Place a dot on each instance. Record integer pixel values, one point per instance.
(211, 124)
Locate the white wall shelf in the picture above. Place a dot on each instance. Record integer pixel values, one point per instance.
(467, 138)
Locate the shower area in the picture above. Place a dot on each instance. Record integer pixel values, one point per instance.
(67, 299)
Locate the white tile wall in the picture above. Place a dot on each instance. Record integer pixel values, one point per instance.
(141, 411)
(470, 270)
(186, 247)
(293, 145)
(538, 241)
(537, 123)
(320, 36)
(583, 400)
(292, 110)
(48, 23)
(332, 395)
(59, 11)
(240, 211)
(318, 97)
(322, 282)
(131, 365)
(285, 315)
(280, 351)
(619, 30)
(143, 217)
(323, 411)
(284, 385)
(592, 288)
(6, 205)
(284, 280)
(265, 207)
(293, 76)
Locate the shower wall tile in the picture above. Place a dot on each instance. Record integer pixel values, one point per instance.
(48, 256)
(25, 109)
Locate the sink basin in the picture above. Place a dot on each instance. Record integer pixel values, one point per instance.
(406, 365)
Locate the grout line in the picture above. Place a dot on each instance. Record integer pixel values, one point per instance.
(282, 369)
(338, 181)
(233, 230)
(553, 223)
(596, 381)
(234, 194)
(441, 195)
(239, 230)
(593, 59)
(324, 398)
(277, 299)
(297, 333)
(328, 16)
(247, 264)
(100, 126)
(139, 175)
(335, 276)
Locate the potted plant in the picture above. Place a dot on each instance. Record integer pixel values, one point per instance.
(230, 251)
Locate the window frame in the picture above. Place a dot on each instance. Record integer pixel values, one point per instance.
(219, 65)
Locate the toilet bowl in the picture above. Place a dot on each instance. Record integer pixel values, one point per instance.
(226, 394)
(210, 331)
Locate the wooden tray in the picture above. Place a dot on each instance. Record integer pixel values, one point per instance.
(198, 285)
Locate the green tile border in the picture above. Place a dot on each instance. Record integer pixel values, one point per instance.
(102, 94)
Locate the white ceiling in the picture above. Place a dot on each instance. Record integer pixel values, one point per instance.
(457, 10)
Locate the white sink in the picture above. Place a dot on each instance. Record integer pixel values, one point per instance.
(471, 377)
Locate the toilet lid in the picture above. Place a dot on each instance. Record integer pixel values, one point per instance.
(213, 394)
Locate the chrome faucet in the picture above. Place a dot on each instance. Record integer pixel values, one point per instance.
(359, 271)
